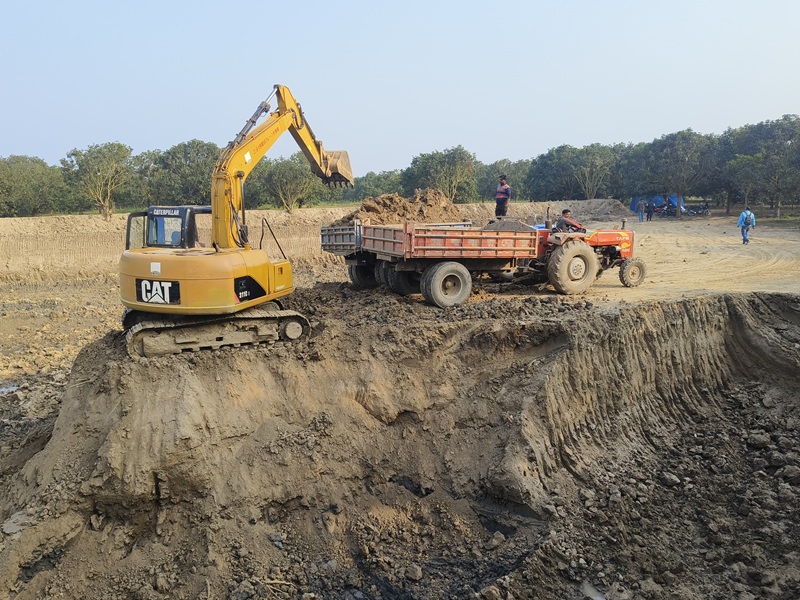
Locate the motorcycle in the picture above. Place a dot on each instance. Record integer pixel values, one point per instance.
(668, 211)
(703, 210)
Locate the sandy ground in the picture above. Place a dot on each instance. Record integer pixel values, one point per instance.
(627, 443)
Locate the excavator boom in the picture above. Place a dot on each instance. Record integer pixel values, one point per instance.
(252, 143)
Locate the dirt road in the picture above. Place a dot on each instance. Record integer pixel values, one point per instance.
(628, 443)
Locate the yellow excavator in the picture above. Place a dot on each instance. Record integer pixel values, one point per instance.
(182, 295)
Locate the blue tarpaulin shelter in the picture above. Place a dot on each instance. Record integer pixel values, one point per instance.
(658, 201)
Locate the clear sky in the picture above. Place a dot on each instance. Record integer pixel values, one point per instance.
(388, 81)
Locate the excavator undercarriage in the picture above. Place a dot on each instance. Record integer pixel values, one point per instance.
(149, 335)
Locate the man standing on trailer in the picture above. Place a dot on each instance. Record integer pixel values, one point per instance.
(501, 197)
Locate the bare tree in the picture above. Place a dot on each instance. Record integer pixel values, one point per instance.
(290, 181)
(100, 171)
(745, 173)
(592, 168)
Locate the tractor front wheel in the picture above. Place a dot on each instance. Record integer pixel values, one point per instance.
(632, 272)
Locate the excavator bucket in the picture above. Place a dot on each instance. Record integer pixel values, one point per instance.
(340, 173)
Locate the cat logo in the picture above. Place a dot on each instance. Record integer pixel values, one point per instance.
(158, 292)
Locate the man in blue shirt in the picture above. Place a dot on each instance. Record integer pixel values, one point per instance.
(746, 220)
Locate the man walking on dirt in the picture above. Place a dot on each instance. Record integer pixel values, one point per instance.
(746, 220)
(501, 197)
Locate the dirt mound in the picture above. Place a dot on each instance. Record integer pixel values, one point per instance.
(425, 206)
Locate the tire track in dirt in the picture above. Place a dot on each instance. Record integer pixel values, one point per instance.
(687, 260)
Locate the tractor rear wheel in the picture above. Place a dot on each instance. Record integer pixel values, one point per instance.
(632, 272)
(446, 284)
(572, 268)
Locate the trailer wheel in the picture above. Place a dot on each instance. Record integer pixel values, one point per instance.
(572, 268)
(382, 270)
(362, 276)
(404, 283)
(446, 284)
(632, 272)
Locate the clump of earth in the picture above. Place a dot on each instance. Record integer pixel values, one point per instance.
(425, 206)
(625, 444)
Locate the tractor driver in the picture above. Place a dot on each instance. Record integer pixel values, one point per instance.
(566, 225)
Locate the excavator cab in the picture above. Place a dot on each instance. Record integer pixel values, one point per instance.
(167, 227)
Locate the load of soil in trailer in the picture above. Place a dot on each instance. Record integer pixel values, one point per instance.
(425, 206)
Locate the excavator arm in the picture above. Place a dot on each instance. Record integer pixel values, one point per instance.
(251, 145)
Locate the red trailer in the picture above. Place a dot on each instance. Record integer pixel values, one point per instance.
(440, 260)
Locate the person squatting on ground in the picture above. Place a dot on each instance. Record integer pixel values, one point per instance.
(566, 224)
(746, 221)
(501, 197)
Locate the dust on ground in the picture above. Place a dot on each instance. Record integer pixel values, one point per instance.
(627, 443)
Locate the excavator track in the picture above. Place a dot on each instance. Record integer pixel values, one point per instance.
(149, 335)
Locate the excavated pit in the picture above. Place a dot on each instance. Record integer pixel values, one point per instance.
(512, 448)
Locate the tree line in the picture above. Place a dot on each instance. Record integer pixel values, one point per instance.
(750, 165)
